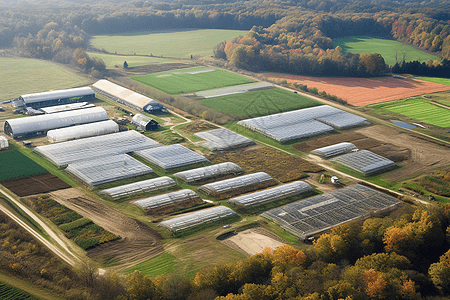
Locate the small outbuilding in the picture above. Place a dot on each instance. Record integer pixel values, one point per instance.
(3, 143)
(145, 123)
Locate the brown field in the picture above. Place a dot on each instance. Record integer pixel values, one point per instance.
(364, 91)
(36, 185)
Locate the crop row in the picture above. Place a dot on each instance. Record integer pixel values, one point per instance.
(8, 292)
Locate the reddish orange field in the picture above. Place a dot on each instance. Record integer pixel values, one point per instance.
(363, 91)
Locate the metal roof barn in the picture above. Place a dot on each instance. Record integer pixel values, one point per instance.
(366, 162)
(108, 169)
(313, 215)
(171, 156)
(3, 143)
(145, 123)
(198, 218)
(44, 99)
(39, 125)
(333, 150)
(140, 187)
(167, 199)
(224, 139)
(209, 172)
(95, 147)
(272, 194)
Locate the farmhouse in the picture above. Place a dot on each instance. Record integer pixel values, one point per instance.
(39, 125)
(59, 97)
(145, 123)
(129, 98)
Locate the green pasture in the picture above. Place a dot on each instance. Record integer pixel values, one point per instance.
(16, 165)
(259, 103)
(387, 48)
(25, 75)
(180, 81)
(113, 60)
(445, 81)
(176, 43)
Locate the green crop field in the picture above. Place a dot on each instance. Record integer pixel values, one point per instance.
(445, 81)
(16, 165)
(8, 292)
(112, 60)
(387, 48)
(259, 103)
(180, 81)
(176, 43)
(25, 75)
(159, 265)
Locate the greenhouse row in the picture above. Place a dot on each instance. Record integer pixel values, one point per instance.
(223, 139)
(334, 150)
(108, 169)
(82, 131)
(65, 153)
(197, 218)
(308, 121)
(365, 162)
(209, 172)
(168, 199)
(140, 187)
(171, 156)
(272, 194)
(236, 89)
(239, 185)
(313, 215)
(65, 107)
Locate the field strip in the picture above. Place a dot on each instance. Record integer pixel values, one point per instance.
(242, 88)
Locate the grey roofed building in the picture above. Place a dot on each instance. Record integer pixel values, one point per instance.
(145, 123)
(39, 125)
(38, 100)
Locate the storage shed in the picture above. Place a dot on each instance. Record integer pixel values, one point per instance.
(59, 97)
(145, 123)
(3, 143)
(82, 131)
(39, 125)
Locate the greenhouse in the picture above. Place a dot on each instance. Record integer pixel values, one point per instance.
(66, 107)
(150, 185)
(3, 143)
(51, 98)
(336, 149)
(365, 162)
(223, 139)
(198, 218)
(82, 131)
(238, 185)
(313, 215)
(272, 194)
(107, 169)
(65, 153)
(168, 199)
(209, 172)
(171, 156)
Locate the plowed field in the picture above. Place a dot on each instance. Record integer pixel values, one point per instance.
(364, 91)
(35, 185)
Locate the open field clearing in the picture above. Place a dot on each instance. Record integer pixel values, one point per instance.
(387, 49)
(35, 185)
(364, 91)
(24, 76)
(113, 61)
(16, 165)
(198, 43)
(253, 241)
(436, 80)
(259, 103)
(190, 80)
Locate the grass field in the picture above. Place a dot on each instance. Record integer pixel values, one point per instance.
(24, 75)
(387, 48)
(445, 81)
(176, 43)
(16, 165)
(112, 60)
(259, 103)
(159, 265)
(181, 81)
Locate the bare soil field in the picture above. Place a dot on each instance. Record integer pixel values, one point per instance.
(38, 184)
(364, 91)
(137, 239)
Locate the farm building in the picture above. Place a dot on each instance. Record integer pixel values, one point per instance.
(333, 150)
(82, 131)
(144, 186)
(144, 123)
(224, 139)
(313, 215)
(198, 218)
(39, 125)
(65, 107)
(3, 143)
(365, 162)
(128, 97)
(209, 172)
(59, 97)
(272, 194)
(170, 202)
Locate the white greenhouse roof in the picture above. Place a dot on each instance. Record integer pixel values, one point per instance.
(365, 161)
(309, 216)
(3, 142)
(171, 156)
(65, 107)
(54, 95)
(108, 169)
(197, 218)
(209, 172)
(272, 194)
(166, 199)
(95, 147)
(82, 131)
(235, 183)
(336, 149)
(224, 139)
(140, 187)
